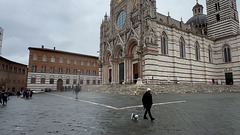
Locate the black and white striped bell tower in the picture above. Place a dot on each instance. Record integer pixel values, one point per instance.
(223, 19)
(1, 38)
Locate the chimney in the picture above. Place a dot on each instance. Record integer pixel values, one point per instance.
(54, 48)
(42, 46)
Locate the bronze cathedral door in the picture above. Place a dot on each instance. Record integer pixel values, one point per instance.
(121, 73)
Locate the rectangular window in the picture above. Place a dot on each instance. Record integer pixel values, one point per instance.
(74, 71)
(68, 81)
(94, 73)
(88, 72)
(42, 80)
(23, 71)
(88, 82)
(94, 82)
(81, 81)
(43, 69)
(33, 80)
(19, 70)
(52, 69)
(217, 6)
(51, 81)
(60, 71)
(75, 81)
(34, 69)
(81, 72)
(68, 71)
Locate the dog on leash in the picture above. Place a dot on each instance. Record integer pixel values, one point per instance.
(134, 116)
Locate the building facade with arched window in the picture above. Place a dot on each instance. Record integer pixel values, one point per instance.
(51, 68)
(138, 42)
(13, 75)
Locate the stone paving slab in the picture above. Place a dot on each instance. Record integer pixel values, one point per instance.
(58, 113)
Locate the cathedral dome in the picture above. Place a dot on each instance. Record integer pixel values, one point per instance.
(199, 19)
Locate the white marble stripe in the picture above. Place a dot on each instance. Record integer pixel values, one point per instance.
(165, 103)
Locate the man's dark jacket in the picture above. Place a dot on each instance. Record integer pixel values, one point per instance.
(147, 100)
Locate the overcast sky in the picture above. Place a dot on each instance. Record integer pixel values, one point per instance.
(68, 25)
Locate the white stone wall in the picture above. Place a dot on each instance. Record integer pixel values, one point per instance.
(172, 67)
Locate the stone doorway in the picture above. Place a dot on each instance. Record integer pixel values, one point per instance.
(229, 78)
(135, 73)
(60, 84)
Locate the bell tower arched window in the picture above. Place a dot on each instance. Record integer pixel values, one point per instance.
(210, 54)
(182, 48)
(164, 44)
(227, 54)
(197, 51)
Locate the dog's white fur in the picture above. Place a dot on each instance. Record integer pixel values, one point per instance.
(134, 116)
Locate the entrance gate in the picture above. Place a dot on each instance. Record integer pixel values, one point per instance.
(59, 84)
(229, 78)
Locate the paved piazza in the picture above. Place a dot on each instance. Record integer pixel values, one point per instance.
(58, 113)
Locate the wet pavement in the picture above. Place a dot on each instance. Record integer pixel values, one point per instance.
(58, 113)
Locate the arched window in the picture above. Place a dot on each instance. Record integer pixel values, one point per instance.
(44, 58)
(227, 54)
(82, 63)
(68, 61)
(164, 44)
(52, 59)
(34, 56)
(61, 60)
(197, 51)
(75, 62)
(182, 48)
(88, 63)
(210, 54)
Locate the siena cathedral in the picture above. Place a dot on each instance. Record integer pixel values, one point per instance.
(138, 44)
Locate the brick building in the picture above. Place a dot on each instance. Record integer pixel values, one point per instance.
(13, 75)
(51, 68)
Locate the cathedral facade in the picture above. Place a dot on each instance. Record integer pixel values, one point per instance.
(137, 43)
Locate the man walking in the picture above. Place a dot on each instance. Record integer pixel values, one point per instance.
(4, 97)
(147, 104)
(77, 90)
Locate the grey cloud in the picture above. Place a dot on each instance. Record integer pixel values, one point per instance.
(68, 25)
